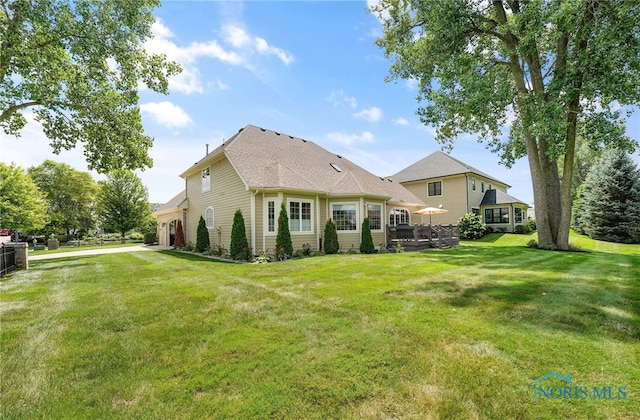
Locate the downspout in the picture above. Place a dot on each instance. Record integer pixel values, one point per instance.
(253, 222)
(264, 236)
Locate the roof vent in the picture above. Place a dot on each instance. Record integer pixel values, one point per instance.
(290, 137)
(277, 134)
(262, 129)
(303, 140)
(336, 167)
(339, 157)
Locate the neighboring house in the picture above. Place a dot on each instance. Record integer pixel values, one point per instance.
(441, 180)
(257, 170)
(168, 215)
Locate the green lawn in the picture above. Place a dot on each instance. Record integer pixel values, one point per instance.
(453, 334)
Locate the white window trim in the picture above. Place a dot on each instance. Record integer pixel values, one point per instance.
(213, 217)
(398, 208)
(202, 177)
(441, 188)
(312, 221)
(276, 215)
(358, 218)
(382, 216)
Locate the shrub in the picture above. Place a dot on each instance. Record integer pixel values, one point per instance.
(471, 226)
(366, 245)
(382, 249)
(136, 236)
(263, 258)
(284, 246)
(178, 240)
(202, 236)
(398, 249)
(532, 224)
(522, 229)
(188, 247)
(532, 243)
(331, 244)
(150, 238)
(239, 248)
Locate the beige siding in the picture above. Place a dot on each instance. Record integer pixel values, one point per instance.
(163, 222)
(453, 198)
(475, 197)
(227, 194)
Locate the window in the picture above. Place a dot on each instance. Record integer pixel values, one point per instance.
(208, 217)
(499, 215)
(475, 211)
(473, 184)
(206, 179)
(482, 186)
(517, 215)
(345, 216)
(434, 188)
(271, 216)
(398, 217)
(374, 213)
(299, 216)
(490, 187)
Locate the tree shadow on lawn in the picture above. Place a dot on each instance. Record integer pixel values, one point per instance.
(190, 256)
(581, 293)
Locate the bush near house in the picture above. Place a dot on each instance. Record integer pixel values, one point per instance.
(284, 246)
(366, 246)
(202, 236)
(331, 245)
(239, 248)
(471, 226)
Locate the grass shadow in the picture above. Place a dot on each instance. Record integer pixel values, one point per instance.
(190, 256)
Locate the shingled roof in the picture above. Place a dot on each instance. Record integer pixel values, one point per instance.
(438, 165)
(179, 201)
(266, 159)
(498, 197)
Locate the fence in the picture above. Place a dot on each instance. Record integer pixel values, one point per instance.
(418, 237)
(7, 259)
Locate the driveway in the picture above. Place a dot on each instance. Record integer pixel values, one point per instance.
(33, 255)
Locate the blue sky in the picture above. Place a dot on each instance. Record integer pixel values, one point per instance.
(308, 69)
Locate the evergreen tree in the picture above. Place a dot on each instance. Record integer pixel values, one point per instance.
(284, 246)
(178, 240)
(611, 199)
(202, 236)
(331, 245)
(578, 222)
(366, 244)
(239, 248)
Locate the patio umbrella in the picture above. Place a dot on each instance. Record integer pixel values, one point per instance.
(430, 211)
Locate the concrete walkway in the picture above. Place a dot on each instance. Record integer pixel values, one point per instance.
(34, 256)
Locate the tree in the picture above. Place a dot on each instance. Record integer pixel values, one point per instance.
(611, 199)
(78, 65)
(178, 240)
(284, 246)
(70, 194)
(555, 67)
(202, 236)
(22, 205)
(366, 243)
(123, 202)
(331, 245)
(239, 248)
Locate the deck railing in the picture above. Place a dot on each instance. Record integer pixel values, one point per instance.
(416, 237)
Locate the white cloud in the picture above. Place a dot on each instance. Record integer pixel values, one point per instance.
(166, 114)
(241, 39)
(339, 97)
(412, 84)
(351, 139)
(401, 121)
(372, 114)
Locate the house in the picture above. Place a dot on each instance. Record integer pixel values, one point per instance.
(441, 180)
(257, 170)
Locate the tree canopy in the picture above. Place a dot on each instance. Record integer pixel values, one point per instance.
(547, 69)
(123, 202)
(78, 65)
(22, 205)
(70, 195)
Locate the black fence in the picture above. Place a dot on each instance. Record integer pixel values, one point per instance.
(7, 259)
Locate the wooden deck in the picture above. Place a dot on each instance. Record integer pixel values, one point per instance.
(419, 237)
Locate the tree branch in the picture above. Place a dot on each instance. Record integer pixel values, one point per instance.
(7, 113)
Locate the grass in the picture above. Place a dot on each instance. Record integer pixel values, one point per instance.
(71, 248)
(456, 333)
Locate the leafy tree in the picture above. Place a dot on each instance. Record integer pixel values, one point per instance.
(331, 245)
(366, 243)
(471, 226)
(123, 202)
(611, 199)
(78, 64)
(202, 236)
(239, 248)
(554, 67)
(178, 240)
(284, 246)
(70, 194)
(22, 205)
